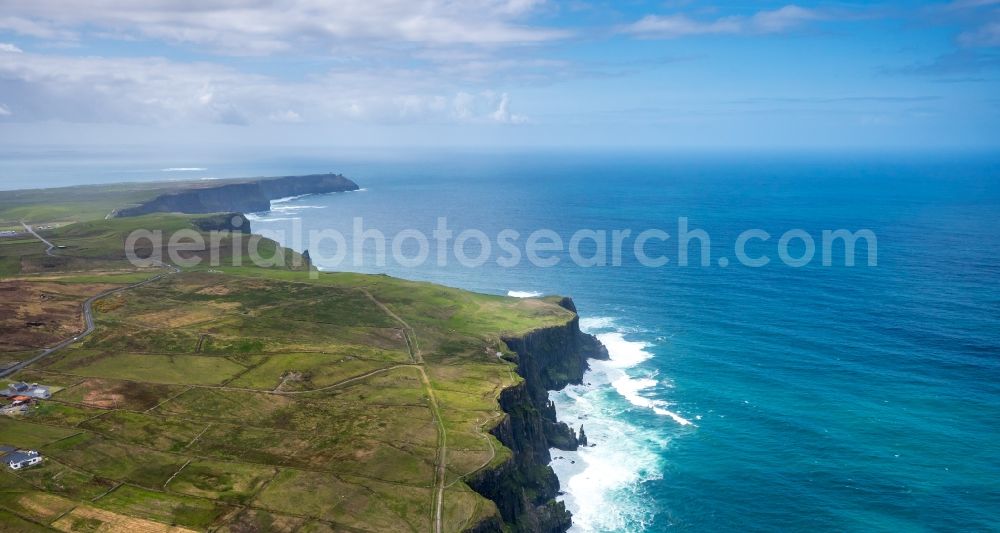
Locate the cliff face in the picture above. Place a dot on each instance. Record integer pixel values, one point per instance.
(246, 197)
(525, 486)
(223, 222)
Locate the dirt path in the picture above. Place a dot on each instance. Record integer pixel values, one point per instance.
(327, 387)
(440, 472)
(408, 334)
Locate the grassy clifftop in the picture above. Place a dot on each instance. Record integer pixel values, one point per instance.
(238, 398)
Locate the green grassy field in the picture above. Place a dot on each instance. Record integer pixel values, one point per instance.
(238, 398)
(228, 482)
(24, 434)
(150, 368)
(64, 480)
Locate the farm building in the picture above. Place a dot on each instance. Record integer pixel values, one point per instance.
(21, 388)
(22, 458)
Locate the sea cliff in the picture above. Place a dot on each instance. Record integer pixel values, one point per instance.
(524, 487)
(246, 196)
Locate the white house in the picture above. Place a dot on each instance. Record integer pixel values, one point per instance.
(22, 458)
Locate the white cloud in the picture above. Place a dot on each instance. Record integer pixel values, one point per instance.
(6, 47)
(668, 27)
(160, 91)
(4, 112)
(32, 28)
(503, 114)
(780, 20)
(269, 27)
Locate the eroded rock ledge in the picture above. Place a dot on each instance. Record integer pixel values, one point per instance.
(524, 487)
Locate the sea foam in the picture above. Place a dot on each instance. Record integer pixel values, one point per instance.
(603, 484)
(287, 199)
(524, 294)
(592, 324)
(603, 489)
(293, 208)
(254, 217)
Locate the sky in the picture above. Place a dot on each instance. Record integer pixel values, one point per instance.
(480, 73)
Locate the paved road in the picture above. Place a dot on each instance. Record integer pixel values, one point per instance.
(88, 318)
(88, 315)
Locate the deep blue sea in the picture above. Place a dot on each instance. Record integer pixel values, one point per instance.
(811, 398)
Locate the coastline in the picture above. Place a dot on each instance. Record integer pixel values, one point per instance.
(525, 487)
(583, 483)
(605, 487)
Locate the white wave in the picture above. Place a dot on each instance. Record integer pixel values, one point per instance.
(524, 294)
(287, 199)
(253, 217)
(283, 208)
(604, 489)
(627, 354)
(183, 169)
(603, 484)
(624, 353)
(629, 388)
(591, 323)
(676, 417)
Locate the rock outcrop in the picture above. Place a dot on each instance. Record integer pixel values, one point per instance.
(524, 487)
(245, 196)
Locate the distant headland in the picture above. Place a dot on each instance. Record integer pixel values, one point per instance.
(239, 195)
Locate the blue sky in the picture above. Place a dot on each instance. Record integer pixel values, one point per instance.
(665, 74)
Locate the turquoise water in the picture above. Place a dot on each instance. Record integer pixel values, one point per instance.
(773, 398)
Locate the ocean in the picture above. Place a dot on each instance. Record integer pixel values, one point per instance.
(778, 397)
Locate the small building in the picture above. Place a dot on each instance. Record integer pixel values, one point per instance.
(33, 390)
(22, 458)
(16, 388)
